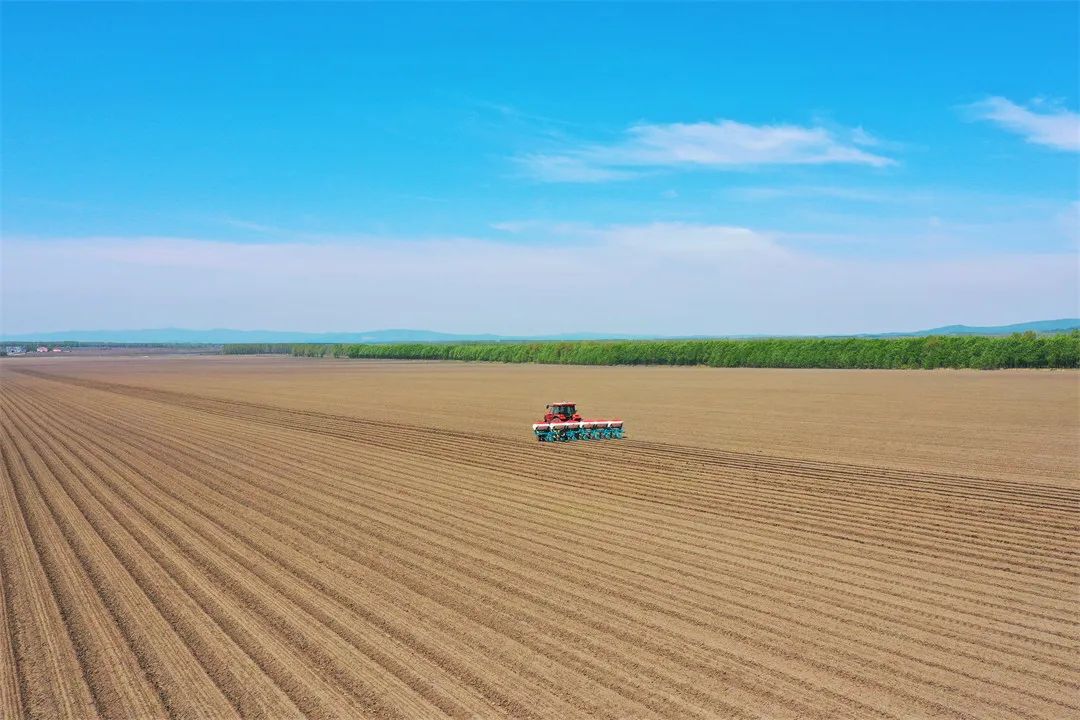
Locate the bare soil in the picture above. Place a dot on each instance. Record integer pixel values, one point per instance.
(272, 537)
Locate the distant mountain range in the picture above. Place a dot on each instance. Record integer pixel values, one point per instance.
(1039, 326)
(219, 336)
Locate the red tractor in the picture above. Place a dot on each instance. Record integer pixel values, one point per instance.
(562, 422)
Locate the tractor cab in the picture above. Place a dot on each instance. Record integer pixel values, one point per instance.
(561, 412)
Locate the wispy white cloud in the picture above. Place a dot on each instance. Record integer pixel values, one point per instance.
(1068, 220)
(570, 168)
(717, 145)
(838, 192)
(1053, 126)
(252, 226)
(668, 278)
(860, 136)
(700, 242)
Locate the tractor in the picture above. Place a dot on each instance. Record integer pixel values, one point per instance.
(563, 423)
(561, 412)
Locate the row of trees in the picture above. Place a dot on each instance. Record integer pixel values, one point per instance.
(1022, 350)
(261, 348)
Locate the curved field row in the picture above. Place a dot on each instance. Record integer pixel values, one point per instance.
(248, 408)
(696, 540)
(170, 555)
(532, 510)
(971, 489)
(360, 430)
(604, 676)
(493, 454)
(241, 408)
(318, 644)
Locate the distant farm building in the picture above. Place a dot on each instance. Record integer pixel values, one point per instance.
(43, 349)
(56, 350)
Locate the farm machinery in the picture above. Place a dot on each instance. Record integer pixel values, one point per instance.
(562, 423)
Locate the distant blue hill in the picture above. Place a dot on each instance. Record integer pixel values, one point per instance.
(1039, 326)
(221, 335)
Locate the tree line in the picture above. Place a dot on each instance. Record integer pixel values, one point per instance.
(1021, 350)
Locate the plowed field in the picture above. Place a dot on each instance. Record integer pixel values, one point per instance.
(279, 538)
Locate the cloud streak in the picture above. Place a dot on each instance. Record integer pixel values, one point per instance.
(663, 278)
(723, 144)
(1056, 128)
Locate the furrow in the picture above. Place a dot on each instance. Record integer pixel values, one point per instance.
(1008, 490)
(116, 680)
(247, 689)
(1037, 697)
(967, 571)
(560, 650)
(182, 684)
(519, 708)
(327, 651)
(824, 528)
(49, 680)
(696, 540)
(11, 689)
(375, 567)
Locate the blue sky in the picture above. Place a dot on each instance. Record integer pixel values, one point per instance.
(709, 168)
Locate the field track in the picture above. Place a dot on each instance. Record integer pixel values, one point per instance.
(171, 552)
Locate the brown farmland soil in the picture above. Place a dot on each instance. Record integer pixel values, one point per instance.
(272, 537)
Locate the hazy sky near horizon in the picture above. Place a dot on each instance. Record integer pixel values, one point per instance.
(525, 169)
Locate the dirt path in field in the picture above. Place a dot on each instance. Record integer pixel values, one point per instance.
(202, 545)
